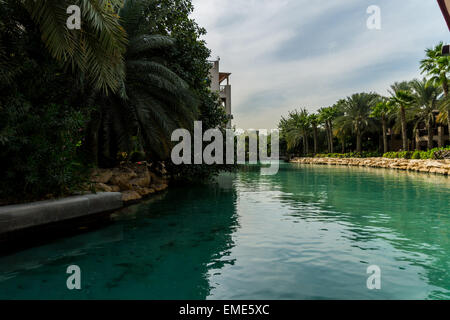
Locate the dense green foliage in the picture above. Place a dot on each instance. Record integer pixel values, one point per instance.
(157, 100)
(188, 58)
(96, 53)
(72, 99)
(39, 150)
(166, 86)
(42, 114)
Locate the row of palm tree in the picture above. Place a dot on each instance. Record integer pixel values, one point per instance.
(409, 105)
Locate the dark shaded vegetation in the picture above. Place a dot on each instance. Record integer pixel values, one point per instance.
(72, 100)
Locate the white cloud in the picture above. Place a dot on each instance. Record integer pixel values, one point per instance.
(248, 35)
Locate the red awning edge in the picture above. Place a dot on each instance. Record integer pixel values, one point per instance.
(445, 11)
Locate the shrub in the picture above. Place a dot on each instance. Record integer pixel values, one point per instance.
(427, 155)
(405, 154)
(364, 154)
(39, 150)
(436, 153)
(416, 155)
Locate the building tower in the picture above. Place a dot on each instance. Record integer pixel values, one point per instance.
(220, 83)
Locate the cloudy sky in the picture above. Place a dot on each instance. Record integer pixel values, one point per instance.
(288, 54)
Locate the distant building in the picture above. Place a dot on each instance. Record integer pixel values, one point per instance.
(440, 136)
(217, 79)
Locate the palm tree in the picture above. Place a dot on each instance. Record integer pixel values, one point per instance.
(96, 51)
(402, 99)
(157, 100)
(326, 116)
(296, 129)
(342, 133)
(314, 121)
(283, 127)
(381, 111)
(426, 94)
(437, 67)
(305, 126)
(444, 107)
(357, 109)
(289, 132)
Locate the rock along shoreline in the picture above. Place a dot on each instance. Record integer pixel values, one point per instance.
(134, 181)
(426, 166)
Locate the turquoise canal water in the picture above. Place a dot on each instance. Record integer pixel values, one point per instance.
(309, 232)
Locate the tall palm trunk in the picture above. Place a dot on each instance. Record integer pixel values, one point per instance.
(445, 89)
(404, 135)
(448, 122)
(93, 138)
(303, 144)
(328, 136)
(385, 141)
(315, 139)
(440, 136)
(358, 140)
(330, 127)
(305, 139)
(430, 135)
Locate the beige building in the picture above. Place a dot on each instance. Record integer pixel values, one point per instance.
(220, 83)
(439, 135)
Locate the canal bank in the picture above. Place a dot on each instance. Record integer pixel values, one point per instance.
(426, 166)
(27, 224)
(29, 215)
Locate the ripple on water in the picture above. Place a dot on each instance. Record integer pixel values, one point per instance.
(307, 233)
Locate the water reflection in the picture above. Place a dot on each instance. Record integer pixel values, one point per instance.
(402, 216)
(164, 251)
(308, 232)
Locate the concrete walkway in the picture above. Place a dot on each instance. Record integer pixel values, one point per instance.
(22, 216)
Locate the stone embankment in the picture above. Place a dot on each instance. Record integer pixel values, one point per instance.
(115, 187)
(426, 166)
(134, 181)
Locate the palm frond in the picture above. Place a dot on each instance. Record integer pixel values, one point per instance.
(142, 67)
(144, 43)
(96, 50)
